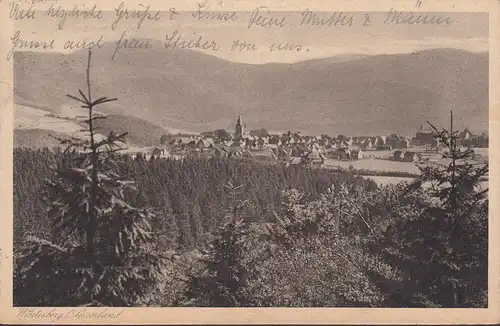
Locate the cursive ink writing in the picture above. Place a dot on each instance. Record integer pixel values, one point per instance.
(242, 46)
(178, 40)
(259, 19)
(368, 20)
(35, 313)
(140, 15)
(17, 13)
(285, 47)
(82, 313)
(75, 313)
(335, 19)
(173, 13)
(203, 13)
(133, 43)
(63, 14)
(410, 18)
(19, 43)
(83, 44)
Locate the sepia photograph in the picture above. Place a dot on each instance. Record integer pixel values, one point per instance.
(260, 158)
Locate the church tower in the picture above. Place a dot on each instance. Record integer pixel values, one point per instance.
(238, 133)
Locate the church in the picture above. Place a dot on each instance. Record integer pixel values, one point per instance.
(239, 129)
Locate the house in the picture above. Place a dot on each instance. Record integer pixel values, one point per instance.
(410, 156)
(356, 153)
(152, 151)
(264, 155)
(205, 143)
(407, 156)
(323, 142)
(275, 141)
(191, 144)
(182, 142)
(313, 158)
(367, 143)
(465, 135)
(424, 138)
(240, 142)
(343, 143)
(341, 154)
(250, 142)
(398, 156)
(480, 141)
(236, 152)
(300, 150)
(397, 141)
(330, 153)
(261, 142)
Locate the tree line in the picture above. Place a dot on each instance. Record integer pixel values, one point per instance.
(187, 195)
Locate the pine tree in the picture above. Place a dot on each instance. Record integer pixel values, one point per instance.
(101, 252)
(166, 225)
(196, 223)
(227, 263)
(442, 249)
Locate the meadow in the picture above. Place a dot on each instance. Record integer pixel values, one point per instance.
(381, 161)
(374, 164)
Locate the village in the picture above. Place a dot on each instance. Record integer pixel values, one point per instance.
(294, 148)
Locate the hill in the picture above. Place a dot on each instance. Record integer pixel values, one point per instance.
(140, 132)
(190, 90)
(27, 117)
(30, 122)
(36, 138)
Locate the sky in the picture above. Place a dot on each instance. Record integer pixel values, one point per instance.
(467, 31)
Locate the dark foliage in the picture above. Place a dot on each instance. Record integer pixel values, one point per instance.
(189, 192)
(98, 249)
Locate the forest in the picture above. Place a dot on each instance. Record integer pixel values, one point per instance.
(188, 196)
(306, 236)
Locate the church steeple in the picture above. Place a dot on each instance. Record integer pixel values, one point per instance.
(238, 132)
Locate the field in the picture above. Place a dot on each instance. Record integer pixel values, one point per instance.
(383, 180)
(381, 161)
(374, 164)
(29, 118)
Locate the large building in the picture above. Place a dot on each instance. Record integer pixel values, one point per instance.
(239, 129)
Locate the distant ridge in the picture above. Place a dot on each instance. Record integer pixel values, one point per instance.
(189, 90)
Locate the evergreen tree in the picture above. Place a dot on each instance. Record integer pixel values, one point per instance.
(442, 248)
(196, 223)
(228, 267)
(101, 251)
(169, 230)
